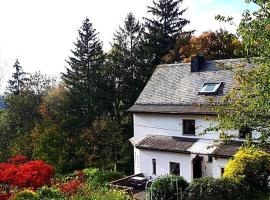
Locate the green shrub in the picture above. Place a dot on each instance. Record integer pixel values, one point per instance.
(167, 188)
(25, 195)
(208, 188)
(102, 193)
(250, 166)
(113, 195)
(98, 177)
(50, 193)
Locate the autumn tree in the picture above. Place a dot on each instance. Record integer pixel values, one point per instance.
(54, 139)
(22, 99)
(213, 45)
(103, 144)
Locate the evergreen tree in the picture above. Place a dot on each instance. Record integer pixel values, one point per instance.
(124, 66)
(83, 77)
(19, 79)
(163, 29)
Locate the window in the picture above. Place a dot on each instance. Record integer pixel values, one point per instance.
(209, 88)
(154, 166)
(175, 168)
(221, 171)
(188, 127)
(210, 158)
(244, 132)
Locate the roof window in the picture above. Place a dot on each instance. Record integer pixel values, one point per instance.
(210, 88)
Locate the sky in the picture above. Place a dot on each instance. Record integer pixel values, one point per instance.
(40, 33)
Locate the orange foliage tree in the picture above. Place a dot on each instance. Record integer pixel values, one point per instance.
(213, 45)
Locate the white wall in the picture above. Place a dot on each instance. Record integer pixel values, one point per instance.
(144, 163)
(170, 124)
(218, 163)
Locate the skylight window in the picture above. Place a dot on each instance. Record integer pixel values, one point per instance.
(210, 88)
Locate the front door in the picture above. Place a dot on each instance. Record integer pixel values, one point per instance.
(197, 167)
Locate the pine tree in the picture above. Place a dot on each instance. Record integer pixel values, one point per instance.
(18, 81)
(125, 65)
(83, 77)
(163, 29)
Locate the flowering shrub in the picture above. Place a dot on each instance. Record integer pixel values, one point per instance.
(71, 187)
(18, 172)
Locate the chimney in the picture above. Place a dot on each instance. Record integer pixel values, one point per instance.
(197, 63)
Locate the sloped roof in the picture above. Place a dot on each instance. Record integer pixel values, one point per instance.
(165, 143)
(175, 87)
(185, 145)
(227, 150)
(172, 109)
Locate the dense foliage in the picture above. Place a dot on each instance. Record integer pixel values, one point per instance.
(18, 82)
(100, 177)
(208, 188)
(213, 45)
(25, 195)
(27, 180)
(20, 173)
(247, 104)
(49, 193)
(250, 166)
(167, 188)
(163, 29)
(83, 120)
(83, 78)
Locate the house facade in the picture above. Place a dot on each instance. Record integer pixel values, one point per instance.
(171, 116)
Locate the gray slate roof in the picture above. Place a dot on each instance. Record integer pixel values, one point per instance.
(173, 86)
(165, 143)
(183, 144)
(227, 150)
(172, 109)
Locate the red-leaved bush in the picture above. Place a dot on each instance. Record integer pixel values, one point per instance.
(4, 196)
(18, 160)
(18, 172)
(71, 187)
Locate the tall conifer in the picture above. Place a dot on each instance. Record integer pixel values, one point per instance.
(163, 28)
(125, 65)
(18, 80)
(84, 74)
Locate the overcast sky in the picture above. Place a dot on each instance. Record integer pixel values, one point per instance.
(41, 32)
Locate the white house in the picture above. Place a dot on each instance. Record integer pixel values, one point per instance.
(171, 114)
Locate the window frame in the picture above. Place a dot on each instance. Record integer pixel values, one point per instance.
(210, 159)
(244, 132)
(154, 166)
(217, 86)
(170, 167)
(183, 127)
(222, 170)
